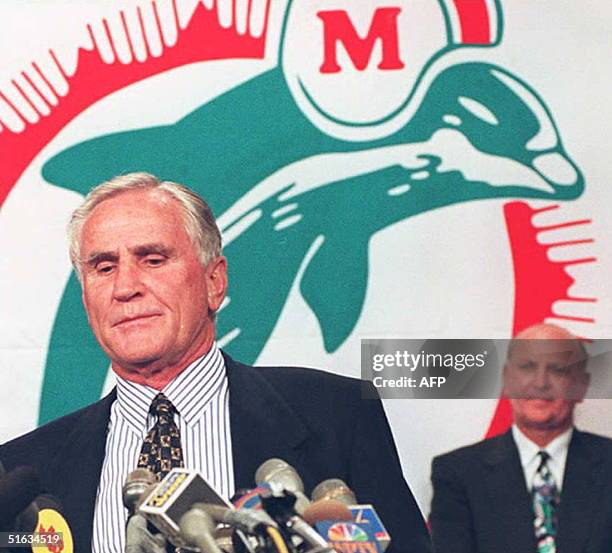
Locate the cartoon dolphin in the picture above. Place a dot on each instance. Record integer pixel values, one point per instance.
(286, 191)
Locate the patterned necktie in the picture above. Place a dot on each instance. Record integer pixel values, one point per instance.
(161, 450)
(545, 506)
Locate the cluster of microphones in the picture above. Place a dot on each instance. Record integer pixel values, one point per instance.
(183, 513)
(274, 517)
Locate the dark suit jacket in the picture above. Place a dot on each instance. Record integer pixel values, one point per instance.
(481, 503)
(315, 421)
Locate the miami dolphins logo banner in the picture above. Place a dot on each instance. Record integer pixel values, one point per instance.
(379, 169)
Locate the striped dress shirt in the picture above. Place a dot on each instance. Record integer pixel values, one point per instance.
(201, 396)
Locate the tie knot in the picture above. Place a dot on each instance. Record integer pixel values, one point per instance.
(544, 457)
(161, 406)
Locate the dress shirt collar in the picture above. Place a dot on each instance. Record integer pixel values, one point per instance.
(528, 453)
(191, 392)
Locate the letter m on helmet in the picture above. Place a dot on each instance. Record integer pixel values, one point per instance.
(337, 27)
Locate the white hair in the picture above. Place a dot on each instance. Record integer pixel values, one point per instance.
(199, 221)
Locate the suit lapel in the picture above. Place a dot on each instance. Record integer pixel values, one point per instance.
(509, 497)
(262, 424)
(582, 483)
(75, 470)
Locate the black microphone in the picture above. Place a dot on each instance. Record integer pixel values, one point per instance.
(18, 488)
(43, 516)
(24, 509)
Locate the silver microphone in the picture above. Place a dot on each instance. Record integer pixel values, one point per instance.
(138, 484)
(196, 529)
(279, 472)
(281, 475)
(334, 488)
(247, 520)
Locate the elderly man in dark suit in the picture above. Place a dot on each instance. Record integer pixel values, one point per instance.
(148, 255)
(542, 487)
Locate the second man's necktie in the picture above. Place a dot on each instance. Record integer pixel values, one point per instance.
(545, 505)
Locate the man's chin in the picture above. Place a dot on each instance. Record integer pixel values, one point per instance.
(544, 420)
(136, 366)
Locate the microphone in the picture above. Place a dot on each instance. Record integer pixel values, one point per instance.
(334, 488)
(364, 516)
(278, 472)
(244, 530)
(24, 509)
(326, 509)
(173, 497)
(18, 488)
(196, 528)
(138, 484)
(285, 501)
(278, 475)
(138, 539)
(44, 517)
(250, 521)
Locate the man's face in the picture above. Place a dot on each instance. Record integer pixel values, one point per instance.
(544, 383)
(146, 293)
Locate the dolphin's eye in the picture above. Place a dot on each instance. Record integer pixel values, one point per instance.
(451, 119)
(479, 110)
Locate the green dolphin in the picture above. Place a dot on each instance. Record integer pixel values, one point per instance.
(254, 140)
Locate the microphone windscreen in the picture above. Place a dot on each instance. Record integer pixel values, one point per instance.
(137, 483)
(17, 490)
(278, 472)
(326, 509)
(29, 519)
(51, 521)
(334, 488)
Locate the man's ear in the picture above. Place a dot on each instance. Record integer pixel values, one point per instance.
(583, 385)
(216, 282)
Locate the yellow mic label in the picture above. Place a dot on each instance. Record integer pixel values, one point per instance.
(54, 525)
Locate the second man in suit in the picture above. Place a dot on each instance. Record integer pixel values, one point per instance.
(542, 487)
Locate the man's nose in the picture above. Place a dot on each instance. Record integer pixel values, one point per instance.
(127, 283)
(542, 378)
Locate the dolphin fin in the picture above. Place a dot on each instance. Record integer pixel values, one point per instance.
(334, 285)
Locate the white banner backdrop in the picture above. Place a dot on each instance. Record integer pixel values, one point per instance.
(380, 169)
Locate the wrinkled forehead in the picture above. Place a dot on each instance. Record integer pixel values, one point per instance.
(133, 216)
(138, 202)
